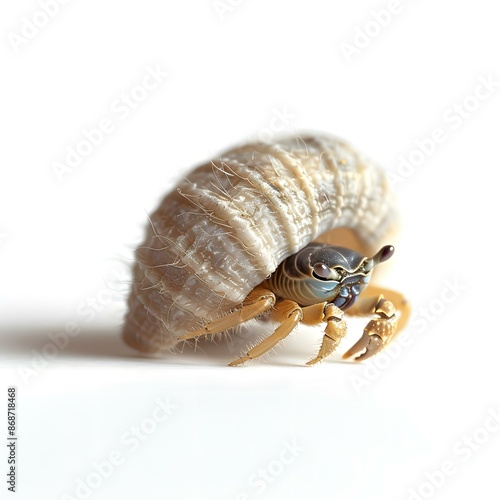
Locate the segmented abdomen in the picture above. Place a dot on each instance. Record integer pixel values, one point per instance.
(226, 227)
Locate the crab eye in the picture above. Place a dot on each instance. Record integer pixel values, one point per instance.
(321, 271)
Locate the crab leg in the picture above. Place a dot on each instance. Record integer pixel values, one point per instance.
(290, 313)
(258, 301)
(335, 328)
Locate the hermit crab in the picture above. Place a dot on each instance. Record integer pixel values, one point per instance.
(256, 231)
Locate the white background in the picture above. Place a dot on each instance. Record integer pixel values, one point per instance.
(378, 430)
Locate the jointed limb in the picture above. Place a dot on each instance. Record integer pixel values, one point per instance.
(335, 328)
(366, 304)
(289, 313)
(258, 301)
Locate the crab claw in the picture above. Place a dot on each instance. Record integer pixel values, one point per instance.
(370, 344)
(377, 333)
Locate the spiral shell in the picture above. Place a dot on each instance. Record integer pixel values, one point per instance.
(229, 224)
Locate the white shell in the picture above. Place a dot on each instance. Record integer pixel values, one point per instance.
(226, 227)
